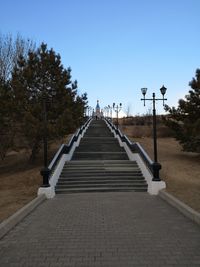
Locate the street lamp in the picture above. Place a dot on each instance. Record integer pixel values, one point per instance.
(110, 109)
(106, 111)
(89, 109)
(117, 110)
(45, 170)
(156, 166)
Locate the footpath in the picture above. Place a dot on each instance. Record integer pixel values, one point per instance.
(100, 225)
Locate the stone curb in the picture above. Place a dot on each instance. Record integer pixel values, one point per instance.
(182, 207)
(14, 219)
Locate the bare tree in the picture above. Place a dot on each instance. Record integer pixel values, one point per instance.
(10, 51)
(128, 110)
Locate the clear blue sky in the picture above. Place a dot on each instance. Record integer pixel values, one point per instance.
(115, 47)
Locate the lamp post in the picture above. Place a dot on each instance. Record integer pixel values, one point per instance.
(156, 166)
(45, 170)
(89, 108)
(117, 110)
(106, 111)
(110, 109)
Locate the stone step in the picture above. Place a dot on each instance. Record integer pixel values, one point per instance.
(99, 135)
(101, 189)
(100, 185)
(100, 181)
(101, 162)
(103, 148)
(103, 170)
(99, 155)
(99, 141)
(93, 164)
(100, 177)
(99, 145)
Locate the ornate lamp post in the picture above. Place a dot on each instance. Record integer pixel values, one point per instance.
(117, 110)
(106, 111)
(89, 109)
(156, 166)
(110, 109)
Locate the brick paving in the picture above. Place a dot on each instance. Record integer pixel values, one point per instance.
(103, 229)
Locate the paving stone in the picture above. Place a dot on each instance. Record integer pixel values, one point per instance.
(103, 229)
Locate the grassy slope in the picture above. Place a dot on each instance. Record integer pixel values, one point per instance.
(180, 170)
(20, 180)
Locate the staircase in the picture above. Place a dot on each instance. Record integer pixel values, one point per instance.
(99, 164)
(99, 144)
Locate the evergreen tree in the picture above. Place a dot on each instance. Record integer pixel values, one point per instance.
(41, 83)
(185, 120)
(7, 127)
(79, 106)
(10, 51)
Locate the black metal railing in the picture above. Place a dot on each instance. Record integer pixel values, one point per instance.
(65, 148)
(153, 167)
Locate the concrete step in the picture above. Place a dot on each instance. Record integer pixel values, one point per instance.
(99, 156)
(100, 177)
(100, 185)
(99, 141)
(99, 170)
(100, 131)
(102, 170)
(101, 162)
(101, 148)
(100, 182)
(101, 189)
(96, 164)
(66, 176)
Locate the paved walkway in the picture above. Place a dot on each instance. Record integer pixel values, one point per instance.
(103, 229)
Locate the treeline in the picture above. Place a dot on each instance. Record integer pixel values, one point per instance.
(34, 84)
(142, 126)
(140, 120)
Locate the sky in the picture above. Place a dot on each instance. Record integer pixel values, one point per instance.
(116, 47)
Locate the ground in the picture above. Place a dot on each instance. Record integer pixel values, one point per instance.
(20, 180)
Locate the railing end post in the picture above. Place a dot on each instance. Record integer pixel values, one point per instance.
(156, 167)
(45, 172)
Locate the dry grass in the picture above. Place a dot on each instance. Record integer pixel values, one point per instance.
(20, 180)
(145, 131)
(180, 170)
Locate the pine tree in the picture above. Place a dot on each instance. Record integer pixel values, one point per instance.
(10, 51)
(41, 83)
(185, 120)
(7, 131)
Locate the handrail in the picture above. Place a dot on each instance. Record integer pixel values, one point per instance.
(64, 149)
(144, 153)
(59, 152)
(153, 167)
(147, 160)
